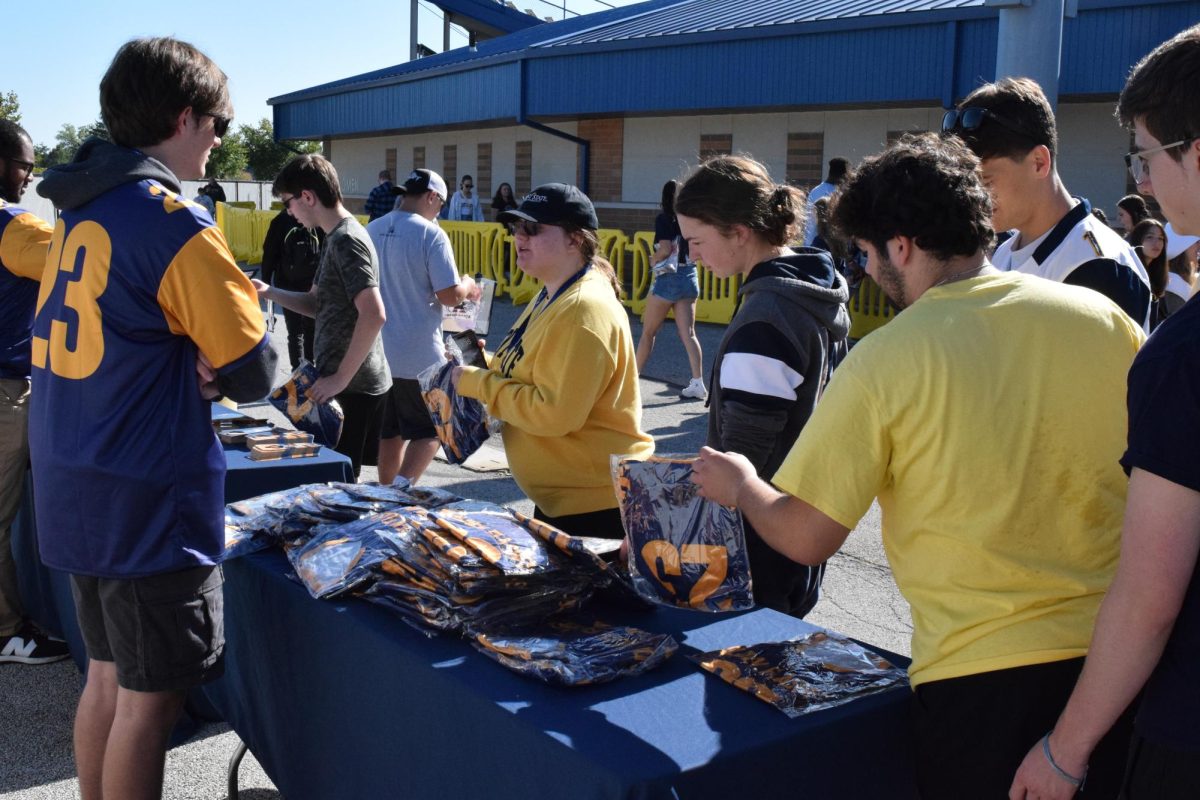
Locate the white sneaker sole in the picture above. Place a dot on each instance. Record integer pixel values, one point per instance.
(33, 659)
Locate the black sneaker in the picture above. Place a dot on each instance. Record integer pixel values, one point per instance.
(32, 646)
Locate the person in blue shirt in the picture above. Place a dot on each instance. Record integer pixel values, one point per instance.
(24, 240)
(143, 319)
(382, 198)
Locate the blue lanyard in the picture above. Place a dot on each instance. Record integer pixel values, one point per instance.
(510, 350)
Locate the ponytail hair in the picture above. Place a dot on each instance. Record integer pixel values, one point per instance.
(736, 190)
(589, 246)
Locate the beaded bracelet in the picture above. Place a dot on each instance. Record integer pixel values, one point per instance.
(1062, 773)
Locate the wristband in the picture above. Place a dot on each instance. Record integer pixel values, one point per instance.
(1062, 773)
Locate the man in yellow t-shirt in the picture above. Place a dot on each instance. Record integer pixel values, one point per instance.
(988, 419)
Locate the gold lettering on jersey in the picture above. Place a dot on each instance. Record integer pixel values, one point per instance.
(714, 558)
(87, 251)
(171, 201)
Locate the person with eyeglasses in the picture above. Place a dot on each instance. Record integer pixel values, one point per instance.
(564, 381)
(344, 302)
(24, 242)
(464, 205)
(147, 320)
(1146, 643)
(1010, 126)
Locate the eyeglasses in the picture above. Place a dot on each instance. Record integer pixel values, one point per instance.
(969, 120)
(468, 186)
(287, 202)
(527, 228)
(1139, 166)
(220, 123)
(25, 165)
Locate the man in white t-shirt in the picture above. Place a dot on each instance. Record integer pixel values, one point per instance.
(417, 277)
(1010, 126)
(838, 169)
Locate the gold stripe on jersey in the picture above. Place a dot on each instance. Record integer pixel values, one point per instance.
(195, 295)
(24, 244)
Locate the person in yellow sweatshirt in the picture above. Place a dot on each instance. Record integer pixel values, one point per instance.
(564, 380)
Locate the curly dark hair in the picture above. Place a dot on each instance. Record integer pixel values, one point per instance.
(923, 186)
(735, 190)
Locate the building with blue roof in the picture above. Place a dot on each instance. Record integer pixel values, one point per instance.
(625, 99)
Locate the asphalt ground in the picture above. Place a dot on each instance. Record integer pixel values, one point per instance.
(859, 598)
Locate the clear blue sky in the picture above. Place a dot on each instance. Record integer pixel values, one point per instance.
(54, 60)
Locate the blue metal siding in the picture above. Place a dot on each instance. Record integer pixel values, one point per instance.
(465, 97)
(851, 67)
(1102, 45)
(976, 55)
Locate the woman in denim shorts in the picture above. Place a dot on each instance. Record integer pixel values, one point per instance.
(675, 286)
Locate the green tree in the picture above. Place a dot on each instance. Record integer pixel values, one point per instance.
(10, 106)
(229, 160)
(265, 156)
(68, 139)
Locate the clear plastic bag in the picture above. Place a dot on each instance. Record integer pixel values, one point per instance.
(571, 653)
(460, 422)
(322, 420)
(811, 673)
(684, 551)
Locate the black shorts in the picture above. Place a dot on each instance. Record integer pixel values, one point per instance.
(163, 632)
(406, 415)
(1159, 772)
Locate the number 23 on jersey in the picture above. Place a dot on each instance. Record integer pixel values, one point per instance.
(80, 260)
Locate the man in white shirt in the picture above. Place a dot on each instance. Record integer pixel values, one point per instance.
(1010, 126)
(838, 169)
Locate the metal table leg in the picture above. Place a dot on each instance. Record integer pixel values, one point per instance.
(235, 761)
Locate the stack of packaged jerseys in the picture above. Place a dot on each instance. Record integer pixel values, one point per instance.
(446, 564)
(684, 550)
(322, 420)
(812, 673)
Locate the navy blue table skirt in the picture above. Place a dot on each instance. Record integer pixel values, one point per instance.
(46, 593)
(344, 700)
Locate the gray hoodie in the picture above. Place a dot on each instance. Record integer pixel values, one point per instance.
(792, 309)
(98, 167)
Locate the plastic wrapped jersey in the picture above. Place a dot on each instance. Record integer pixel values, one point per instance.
(683, 550)
(808, 674)
(460, 422)
(322, 420)
(572, 653)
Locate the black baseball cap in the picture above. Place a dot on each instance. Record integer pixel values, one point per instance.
(420, 181)
(554, 204)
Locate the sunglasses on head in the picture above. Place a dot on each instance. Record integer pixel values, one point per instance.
(970, 119)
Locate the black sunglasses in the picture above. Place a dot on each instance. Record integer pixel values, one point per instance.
(969, 120)
(526, 227)
(220, 124)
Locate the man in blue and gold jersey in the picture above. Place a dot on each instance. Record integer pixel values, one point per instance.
(143, 317)
(24, 240)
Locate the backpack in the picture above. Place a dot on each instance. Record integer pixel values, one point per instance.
(300, 256)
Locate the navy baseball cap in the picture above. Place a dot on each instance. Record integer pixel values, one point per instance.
(554, 204)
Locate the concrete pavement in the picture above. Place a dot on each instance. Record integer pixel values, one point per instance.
(859, 599)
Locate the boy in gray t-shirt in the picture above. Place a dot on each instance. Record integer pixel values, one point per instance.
(345, 302)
